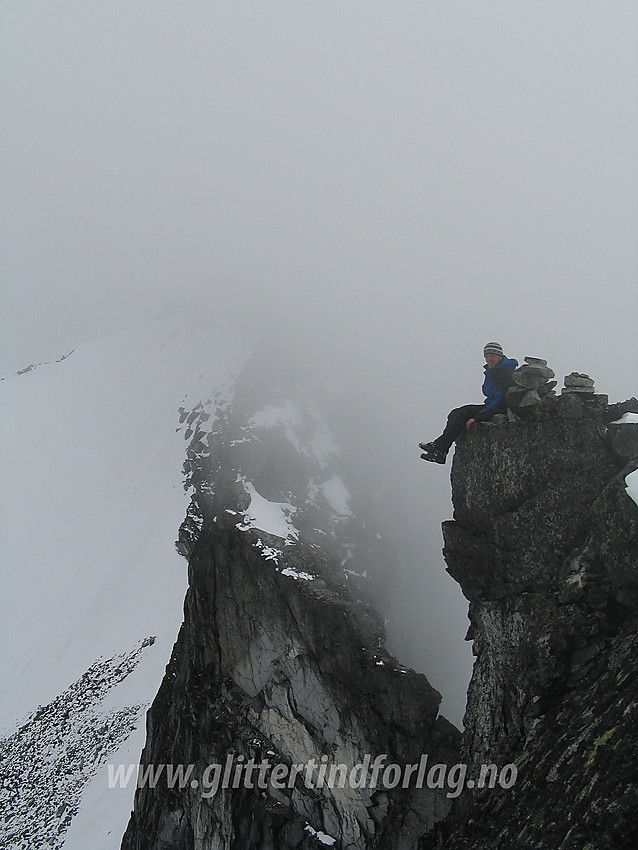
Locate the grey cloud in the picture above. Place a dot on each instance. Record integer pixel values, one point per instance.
(385, 186)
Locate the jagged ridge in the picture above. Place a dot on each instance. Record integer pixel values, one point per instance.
(274, 665)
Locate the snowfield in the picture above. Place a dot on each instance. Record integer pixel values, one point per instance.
(93, 496)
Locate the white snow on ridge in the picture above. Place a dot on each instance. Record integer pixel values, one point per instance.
(323, 837)
(291, 572)
(320, 445)
(272, 517)
(91, 503)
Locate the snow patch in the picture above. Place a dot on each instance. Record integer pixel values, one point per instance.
(269, 553)
(297, 574)
(106, 807)
(349, 573)
(272, 517)
(321, 836)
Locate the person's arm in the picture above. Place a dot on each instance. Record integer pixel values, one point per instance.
(486, 412)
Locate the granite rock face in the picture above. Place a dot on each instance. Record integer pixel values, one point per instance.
(277, 663)
(544, 544)
(280, 661)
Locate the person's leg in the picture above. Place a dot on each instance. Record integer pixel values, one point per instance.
(456, 422)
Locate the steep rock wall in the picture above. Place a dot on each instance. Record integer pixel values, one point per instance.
(276, 661)
(544, 544)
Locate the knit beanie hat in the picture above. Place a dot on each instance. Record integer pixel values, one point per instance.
(494, 348)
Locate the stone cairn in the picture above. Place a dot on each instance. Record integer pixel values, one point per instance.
(532, 394)
(579, 395)
(578, 382)
(532, 383)
(533, 390)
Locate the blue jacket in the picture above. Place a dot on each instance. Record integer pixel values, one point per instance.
(495, 385)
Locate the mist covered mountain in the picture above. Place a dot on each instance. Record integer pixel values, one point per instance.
(278, 666)
(177, 443)
(108, 451)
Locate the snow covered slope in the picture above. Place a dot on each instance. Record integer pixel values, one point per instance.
(100, 453)
(92, 587)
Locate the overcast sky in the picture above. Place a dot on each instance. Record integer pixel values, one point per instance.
(387, 185)
(423, 176)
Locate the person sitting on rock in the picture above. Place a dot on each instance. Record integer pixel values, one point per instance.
(498, 377)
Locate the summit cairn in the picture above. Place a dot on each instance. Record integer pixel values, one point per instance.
(579, 394)
(532, 394)
(578, 382)
(532, 383)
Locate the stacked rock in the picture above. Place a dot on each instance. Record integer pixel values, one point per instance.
(579, 396)
(532, 383)
(578, 382)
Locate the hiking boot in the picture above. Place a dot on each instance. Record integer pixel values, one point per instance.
(427, 447)
(435, 455)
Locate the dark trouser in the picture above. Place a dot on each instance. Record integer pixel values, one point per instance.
(456, 422)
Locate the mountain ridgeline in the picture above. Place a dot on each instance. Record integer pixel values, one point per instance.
(300, 730)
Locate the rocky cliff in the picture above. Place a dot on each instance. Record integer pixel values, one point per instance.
(544, 544)
(276, 664)
(280, 696)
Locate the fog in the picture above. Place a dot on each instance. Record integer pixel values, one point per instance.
(380, 187)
